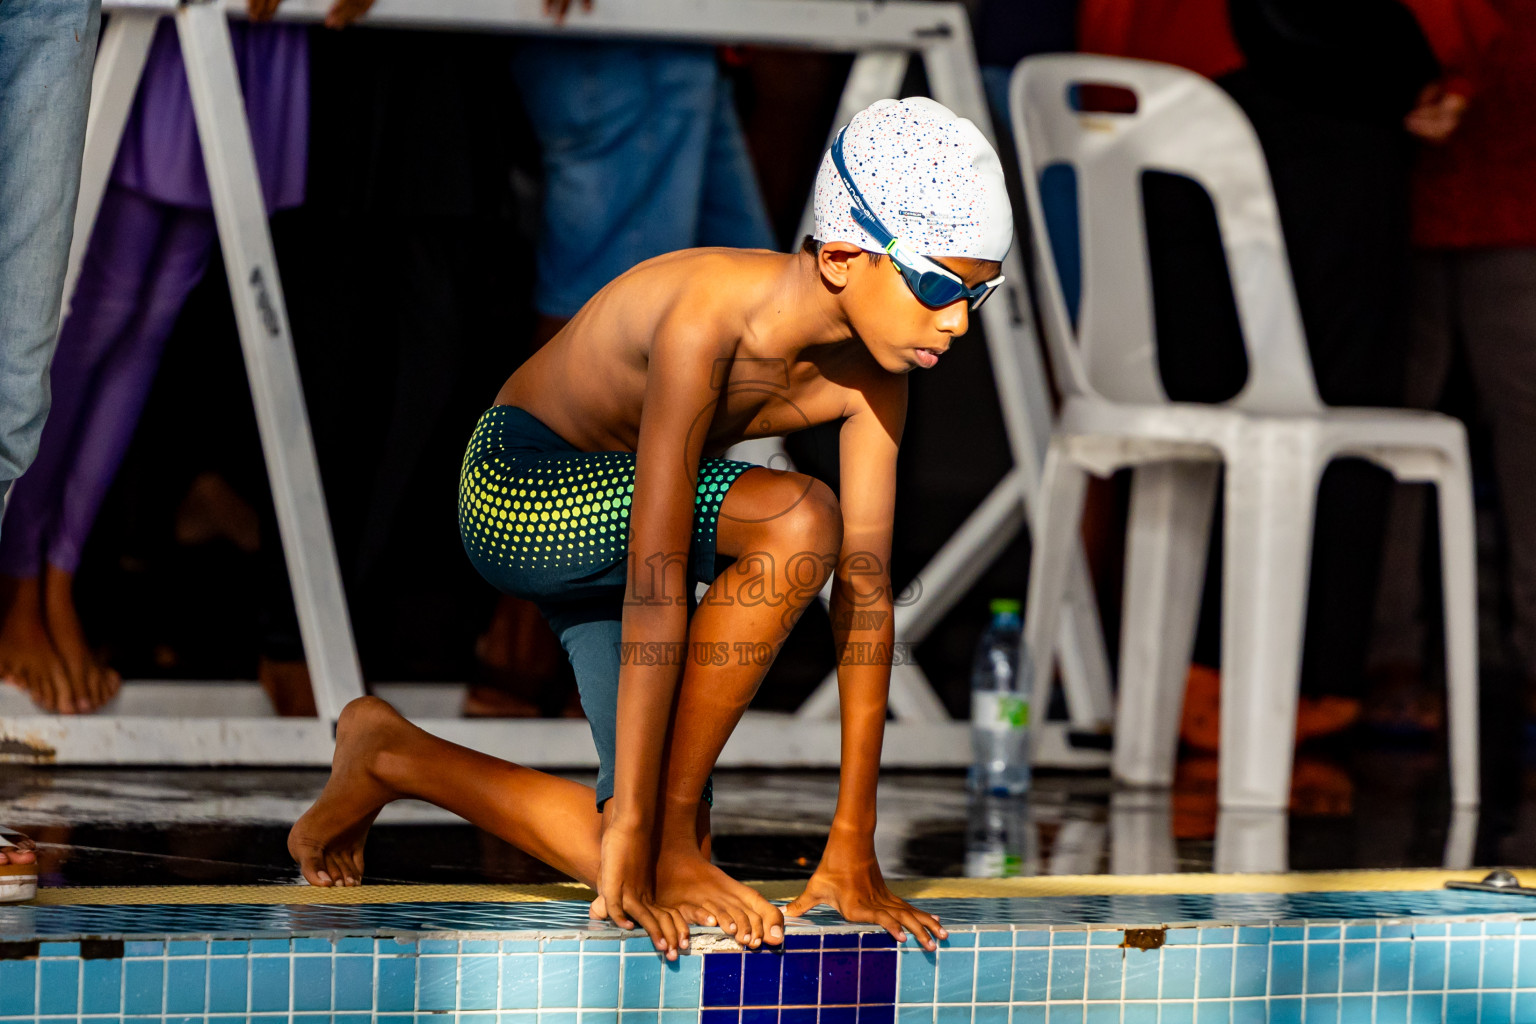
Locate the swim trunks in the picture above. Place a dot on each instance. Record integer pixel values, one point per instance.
(542, 520)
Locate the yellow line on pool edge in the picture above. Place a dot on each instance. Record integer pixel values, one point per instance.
(917, 888)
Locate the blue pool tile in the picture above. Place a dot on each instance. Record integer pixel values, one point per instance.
(957, 975)
(311, 983)
(1425, 1009)
(1183, 936)
(760, 977)
(354, 982)
(994, 974)
(642, 980)
(1496, 1008)
(1069, 937)
(877, 975)
(1097, 1013)
(918, 1015)
(600, 981)
(1355, 1009)
(1317, 932)
(436, 947)
(477, 982)
(549, 946)
(950, 1015)
(520, 981)
(722, 979)
(384, 947)
(364, 1018)
(101, 985)
(185, 983)
(639, 1016)
(1463, 964)
(1104, 974)
(1029, 937)
(799, 941)
(1213, 1012)
(531, 945)
(1360, 931)
(686, 1017)
(1461, 1006)
(1285, 1010)
(300, 945)
(239, 947)
(1031, 975)
(1106, 937)
(558, 984)
(990, 1014)
(1069, 968)
(680, 982)
(1394, 963)
(995, 937)
(1322, 968)
(144, 980)
(1421, 928)
(1248, 1011)
(718, 1016)
(1133, 1013)
(1491, 927)
(436, 982)
(1253, 936)
(840, 940)
(58, 949)
(144, 948)
(1322, 1010)
(1176, 1013)
(1141, 968)
(877, 940)
(1498, 963)
(1397, 931)
(1391, 1010)
(1359, 969)
(607, 1016)
(1428, 965)
(1250, 971)
(959, 939)
(1467, 929)
(885, 1013)
(1215, 972)
(802, 978)
(1525, 963)
(1286, 933)
(345, 944)
(284, 1020)
(915, 975)
(1179, 972)
(828, 1015)
(478, 946)
(840, 977)
(1065, 1014)
(58, 982)
(1217, 936)
(397, 982)
(1525, 1006)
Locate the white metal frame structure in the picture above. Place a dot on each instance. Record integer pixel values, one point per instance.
(884, 34)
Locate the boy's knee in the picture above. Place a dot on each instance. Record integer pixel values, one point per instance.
(813, 524)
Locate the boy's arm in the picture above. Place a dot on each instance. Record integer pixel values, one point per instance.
(679, 404)
(848, 877)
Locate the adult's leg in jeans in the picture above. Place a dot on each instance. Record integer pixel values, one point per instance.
(1498, 317)
(106, 308)
(47, 50)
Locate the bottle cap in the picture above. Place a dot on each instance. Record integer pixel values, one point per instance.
(1006, 605)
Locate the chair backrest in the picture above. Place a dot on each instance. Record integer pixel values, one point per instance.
(1181, 124)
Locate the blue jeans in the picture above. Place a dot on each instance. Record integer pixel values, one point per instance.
(47, 51)
(643, 154)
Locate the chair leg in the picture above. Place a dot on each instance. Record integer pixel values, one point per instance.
(1063, 484)
(1169, 534)
(1271, 491)
(1458, 571)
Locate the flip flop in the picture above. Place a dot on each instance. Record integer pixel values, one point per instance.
(18, 882)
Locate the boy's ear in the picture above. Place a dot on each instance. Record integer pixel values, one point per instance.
(833, 262)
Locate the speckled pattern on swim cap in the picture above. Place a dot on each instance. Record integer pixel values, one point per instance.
(932, 178)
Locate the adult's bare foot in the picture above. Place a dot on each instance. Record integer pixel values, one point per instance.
(327, 840)
(92, 682)
(27, 655)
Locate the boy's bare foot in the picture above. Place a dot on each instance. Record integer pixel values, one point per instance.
(708, 896)
(327, 840)
(92, 682)
(27, 655)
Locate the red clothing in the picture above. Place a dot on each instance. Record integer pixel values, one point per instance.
(1194, 34)
(1479, 188)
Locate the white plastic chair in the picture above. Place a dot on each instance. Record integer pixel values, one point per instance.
(1275, 438)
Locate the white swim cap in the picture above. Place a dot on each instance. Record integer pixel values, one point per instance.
(931, 178)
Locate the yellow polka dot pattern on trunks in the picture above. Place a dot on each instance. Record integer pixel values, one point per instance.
(541, 519)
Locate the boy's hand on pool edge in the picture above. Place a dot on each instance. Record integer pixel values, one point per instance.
(625, 870)
(848, 880)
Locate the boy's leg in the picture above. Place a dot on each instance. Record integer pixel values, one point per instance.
(381, 757)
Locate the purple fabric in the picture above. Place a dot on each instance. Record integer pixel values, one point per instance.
(160, 155)
(143, 260)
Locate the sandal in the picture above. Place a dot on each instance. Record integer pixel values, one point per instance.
(18, 882)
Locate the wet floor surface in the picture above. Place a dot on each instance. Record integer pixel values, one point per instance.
(1381, 808)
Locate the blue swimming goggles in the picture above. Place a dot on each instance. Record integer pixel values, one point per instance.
(932, 284)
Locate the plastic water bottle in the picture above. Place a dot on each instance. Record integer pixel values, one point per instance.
(1000, 692)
